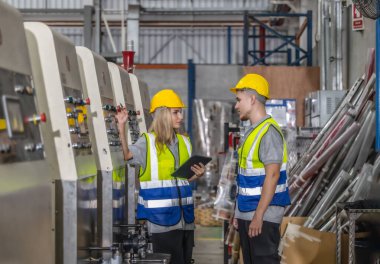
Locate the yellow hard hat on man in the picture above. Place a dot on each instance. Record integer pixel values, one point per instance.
(254, 82)
(166, 98)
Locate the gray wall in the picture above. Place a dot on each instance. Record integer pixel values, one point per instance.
(358, 44)
(213, 81)
(165, 79)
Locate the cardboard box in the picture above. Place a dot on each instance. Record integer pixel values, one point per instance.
(297, 220)
(301, 245)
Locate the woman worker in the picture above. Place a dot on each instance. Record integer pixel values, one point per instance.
(164, 201)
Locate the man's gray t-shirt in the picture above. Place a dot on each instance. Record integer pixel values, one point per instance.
(270, 152)
(139, 158)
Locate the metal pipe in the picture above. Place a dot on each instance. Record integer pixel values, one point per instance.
(367, 143)
(298, 198)
(336, 187)
(339, 46)
(122, 17)
(191, 95)
(309, 171)
(109, 32)
(334, 47)
(342, 198)
(229, 45)
(245, 38)
(98, 19)
(262, 43)
(309, 38)
(377, 96)
(311, 198)
(326, 43)
(355, 147)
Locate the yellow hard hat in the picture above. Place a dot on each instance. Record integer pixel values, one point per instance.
(166, 98)
(255, 82)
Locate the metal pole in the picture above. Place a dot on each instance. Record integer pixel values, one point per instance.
(122, 26)
(98, 29)
(191, 95)
(87, 26)
(309, 38)
(378, 82)
(229, 45)
(262, 43)
(245, 39)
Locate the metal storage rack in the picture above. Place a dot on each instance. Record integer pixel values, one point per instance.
(353, 215)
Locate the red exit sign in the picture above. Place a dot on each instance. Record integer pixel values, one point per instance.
(357, 19)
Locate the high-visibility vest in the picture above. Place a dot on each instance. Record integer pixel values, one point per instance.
(162, 197)
(251, 171)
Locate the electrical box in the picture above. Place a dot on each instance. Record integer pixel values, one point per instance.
(323, 105)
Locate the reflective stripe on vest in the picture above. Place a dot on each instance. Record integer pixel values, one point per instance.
(251, 171)
(163, 198)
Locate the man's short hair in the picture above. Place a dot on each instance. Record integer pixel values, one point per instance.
(258, 96)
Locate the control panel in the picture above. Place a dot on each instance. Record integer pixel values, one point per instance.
(25, 175)
(145, 99)
(20, 138)
(67, 140)
(122, 90)
(141, 101)
(76, 113)
(99, 91)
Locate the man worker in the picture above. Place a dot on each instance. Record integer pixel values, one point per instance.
(262, 181)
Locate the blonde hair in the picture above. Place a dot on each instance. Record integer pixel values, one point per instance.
(162, 126)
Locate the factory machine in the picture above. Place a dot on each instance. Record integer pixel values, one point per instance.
(26, 187)
(142, 101)
(110, 160)
(108, 92)
(67, 143)
(123, 95)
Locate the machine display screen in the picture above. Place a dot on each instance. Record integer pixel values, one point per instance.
(13, 115)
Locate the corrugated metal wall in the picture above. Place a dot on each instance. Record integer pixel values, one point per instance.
(116, 4)
(170, 45)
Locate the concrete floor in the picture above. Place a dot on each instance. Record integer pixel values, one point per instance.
(208, 245)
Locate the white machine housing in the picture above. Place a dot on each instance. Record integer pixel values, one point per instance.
(26, 227)
(66, 141)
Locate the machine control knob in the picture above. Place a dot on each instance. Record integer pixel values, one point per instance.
(39, 146)
(36, 119)
(69, 99)
(112, 131)
(108, 119)
(72, 115)
(86, 145)
(74, 130)
(23, 89)
(77, 146)
(114, 143)
(5, 148)
(30, 147)
(109, 108)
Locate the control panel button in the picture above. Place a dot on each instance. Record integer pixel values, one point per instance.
(30, 147)
(36, 119)
(5, 148)
(115, 143)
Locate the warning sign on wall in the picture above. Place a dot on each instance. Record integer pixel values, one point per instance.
(357, 19)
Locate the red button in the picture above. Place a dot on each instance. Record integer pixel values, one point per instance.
(88, 102)
(43, 117)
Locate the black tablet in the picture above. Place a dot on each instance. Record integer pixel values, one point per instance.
(185, 170)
